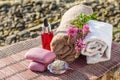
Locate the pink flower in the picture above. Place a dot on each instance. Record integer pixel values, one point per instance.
(72, 31)
(85, 29)
(79, 45)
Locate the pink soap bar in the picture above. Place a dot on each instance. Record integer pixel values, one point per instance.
(40, 55)
(35, 66)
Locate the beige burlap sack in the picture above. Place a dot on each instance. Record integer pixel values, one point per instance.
(59, 45)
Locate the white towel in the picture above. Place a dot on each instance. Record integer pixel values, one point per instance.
(98, 42)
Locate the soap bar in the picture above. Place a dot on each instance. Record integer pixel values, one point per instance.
(40, 55)
(35, 66)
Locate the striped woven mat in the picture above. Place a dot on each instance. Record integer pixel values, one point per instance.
(13, 65)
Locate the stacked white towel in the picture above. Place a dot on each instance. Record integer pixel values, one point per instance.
(98, 42)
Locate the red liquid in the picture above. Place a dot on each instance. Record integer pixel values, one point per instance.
(46, 39)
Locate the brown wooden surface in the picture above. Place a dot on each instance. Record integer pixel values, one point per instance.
(14, 67)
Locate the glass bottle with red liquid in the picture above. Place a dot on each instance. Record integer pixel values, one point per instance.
(46, 35)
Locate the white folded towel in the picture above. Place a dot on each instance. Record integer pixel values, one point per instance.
(98, 42)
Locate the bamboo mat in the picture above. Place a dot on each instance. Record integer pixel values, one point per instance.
(13, 65)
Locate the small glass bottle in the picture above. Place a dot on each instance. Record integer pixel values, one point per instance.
(46, 35)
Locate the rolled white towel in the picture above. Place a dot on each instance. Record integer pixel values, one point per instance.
(98, 42)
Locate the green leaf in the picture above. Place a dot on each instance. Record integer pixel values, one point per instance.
(82, 19)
